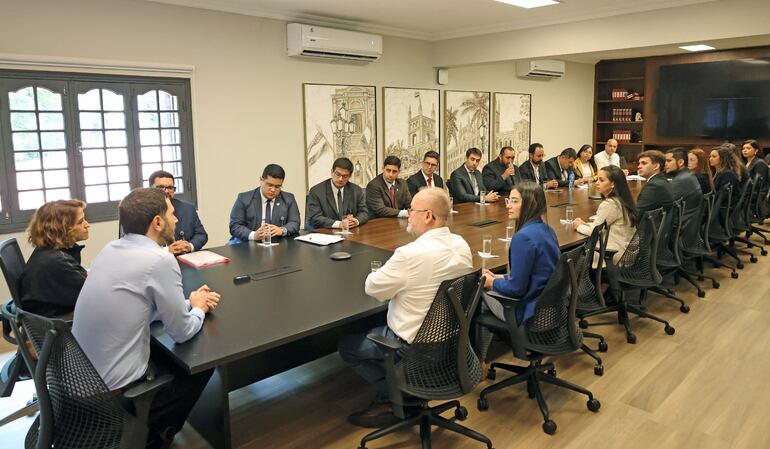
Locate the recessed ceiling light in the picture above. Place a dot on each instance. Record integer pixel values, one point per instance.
(699, 47)
(529, 3)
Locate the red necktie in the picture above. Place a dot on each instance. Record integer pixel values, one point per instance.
(430, 181)
(392, 196)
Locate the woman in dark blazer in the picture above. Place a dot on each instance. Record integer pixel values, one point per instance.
(726, 171)
(698, 163)
(52, 279)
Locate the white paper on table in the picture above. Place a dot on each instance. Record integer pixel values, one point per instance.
(484, 204)
(635, 178)
(320, 239)
(563, 221)
(487, 256)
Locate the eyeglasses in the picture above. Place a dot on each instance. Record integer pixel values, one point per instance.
(429, 164)
(511, 201)
(410, 210)
(166, 188)
(269, 185)
(339, 175)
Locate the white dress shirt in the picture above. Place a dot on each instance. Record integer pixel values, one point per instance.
(411, 277)
(132, 282)
(253, 234)
(602, 159)
(338, 223)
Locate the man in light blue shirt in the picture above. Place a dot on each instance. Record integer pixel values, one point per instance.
(134, 281)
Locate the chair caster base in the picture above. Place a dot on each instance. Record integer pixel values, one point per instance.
(482, 404)
(599, 370)
(603, 347)
(461, 413)
(594, 405)
(734, 275)
(549, 427)
(669, 330)
(631, 338)
(686, 309)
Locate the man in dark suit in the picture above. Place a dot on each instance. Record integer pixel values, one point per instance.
(657, 192)
(189, 235)
(426, 177)
(466, 183)
(534, 169)
(683, 183)
(387, 195)
(560, 168)
(265, 209)
(500, 174)
(336, 200)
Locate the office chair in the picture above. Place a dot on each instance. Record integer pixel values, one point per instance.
(742, 220)
(669, 259)
(694, 245)
(76, 408)
(759, 210)
(717, 236)
(439, 364)
(551, 331)
(12, 265)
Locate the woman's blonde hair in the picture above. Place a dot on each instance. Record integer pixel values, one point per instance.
(52, 225)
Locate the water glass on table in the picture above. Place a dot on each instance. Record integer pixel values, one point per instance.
(486, 245)
(376, 265)
(482, 197)
(569, 214)
(267, 238)
(345, 226)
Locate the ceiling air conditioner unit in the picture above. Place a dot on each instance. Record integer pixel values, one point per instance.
(540, 69)
(320, 42)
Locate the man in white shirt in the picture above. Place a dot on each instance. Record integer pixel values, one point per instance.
(609, 156)
(410, 279)
(132, 282)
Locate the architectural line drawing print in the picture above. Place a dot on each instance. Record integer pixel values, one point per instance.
(511, 124)
(466, 125)
(411, 125)
(340, 121)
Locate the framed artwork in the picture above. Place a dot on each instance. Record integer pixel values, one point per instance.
(340, 121)
(511, 125)
(411, 125)
(466, 125)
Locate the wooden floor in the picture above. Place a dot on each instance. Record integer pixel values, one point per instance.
(704, 387)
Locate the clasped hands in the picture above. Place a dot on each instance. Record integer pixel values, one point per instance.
(179, 247)
(266, 228)
(350, 220)
(205, 299)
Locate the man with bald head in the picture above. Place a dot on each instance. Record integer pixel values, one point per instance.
(609, 156)
(410, 280)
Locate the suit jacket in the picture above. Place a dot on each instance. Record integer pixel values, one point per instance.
(493, 178)
(759, 167)
(51, 281)
(321, 208)
(189, 223)
(553, 171)
(417, 181)
(655, 194)
(686, 186)
(527, 172)
(378, 197)
(246, 215)
(578, 168)
(460, 186)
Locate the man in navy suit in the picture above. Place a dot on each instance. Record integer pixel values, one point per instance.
(534, 168)
(427, 176)
(560, 168)
(266, 209)
(335, 201)
(189, 234)
(466, 183)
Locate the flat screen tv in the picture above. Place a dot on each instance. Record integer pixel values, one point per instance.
(716, 100)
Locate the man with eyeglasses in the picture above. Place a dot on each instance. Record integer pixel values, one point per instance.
(427, 176)
(410, 279)
(189, 235)
(266, 209)
(337, 201)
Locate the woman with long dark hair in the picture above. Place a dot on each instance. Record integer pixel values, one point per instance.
(618, 210)
(533, 253)
(698, 163)
(53, 276)
(584, 166)
(752, 152)
(726, 170)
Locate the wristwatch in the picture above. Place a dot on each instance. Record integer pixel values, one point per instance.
(284, 231)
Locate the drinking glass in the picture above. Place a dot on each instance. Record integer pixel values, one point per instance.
(483, 197)
(266, 238)
(486, 245)
(569, 214)
(345, 226)
(452, 205)
(508, 233)
(376, 265)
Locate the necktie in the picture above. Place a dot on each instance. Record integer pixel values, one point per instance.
(268, 212)
(563, 174)
(430, 181)
(392, 196)
(474, 183)
(339, 202)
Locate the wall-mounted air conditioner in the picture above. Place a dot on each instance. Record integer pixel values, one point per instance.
(541, 69)
(320, 42)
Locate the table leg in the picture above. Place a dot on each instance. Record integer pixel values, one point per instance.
(211, 415)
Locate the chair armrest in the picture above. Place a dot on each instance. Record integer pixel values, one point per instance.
(504, 300)
(385, 343)
(150, 386)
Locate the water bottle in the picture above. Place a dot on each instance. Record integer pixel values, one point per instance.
(571, 180)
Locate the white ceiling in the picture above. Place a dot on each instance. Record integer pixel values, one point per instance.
(431, 20)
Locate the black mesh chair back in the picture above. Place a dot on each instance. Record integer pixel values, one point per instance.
(719, 221)
(637, 266)
(590, 297)
(759, 200)
(440, 363)
(694, 241)
(741, 213)
(12, 263)
(668, 255)
(692, 223)
(553, 328)
(76, 408)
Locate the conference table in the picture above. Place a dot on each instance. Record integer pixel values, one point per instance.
(298, 302)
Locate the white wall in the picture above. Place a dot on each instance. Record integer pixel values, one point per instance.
(247, 94)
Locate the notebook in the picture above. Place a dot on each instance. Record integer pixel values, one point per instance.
(202, 259)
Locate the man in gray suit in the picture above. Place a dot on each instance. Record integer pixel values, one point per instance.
(466, 183)
(336, 200)
(387, 195)
(427, 176)
(265, 209)
(500, 174)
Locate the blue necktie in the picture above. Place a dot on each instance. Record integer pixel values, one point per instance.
(268, 212)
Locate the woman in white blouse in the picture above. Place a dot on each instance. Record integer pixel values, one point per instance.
(618, 210)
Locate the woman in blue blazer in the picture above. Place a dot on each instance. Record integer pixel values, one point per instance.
(533, 253)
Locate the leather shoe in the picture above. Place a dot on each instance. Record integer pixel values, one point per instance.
(376, 416)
